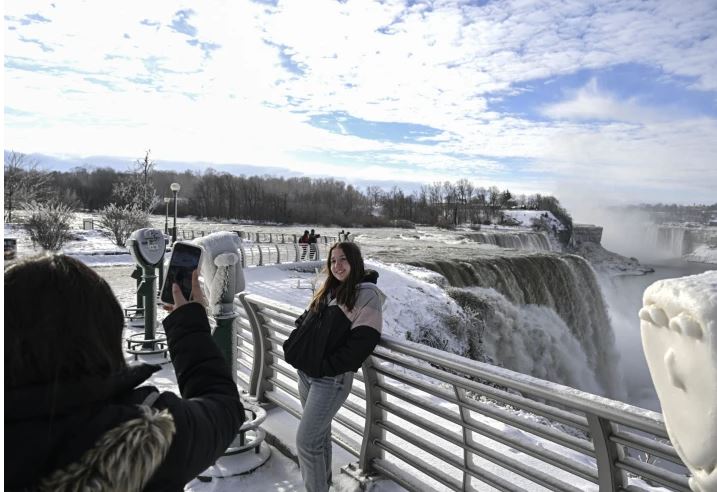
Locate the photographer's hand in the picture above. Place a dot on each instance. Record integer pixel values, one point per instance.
(196, 296)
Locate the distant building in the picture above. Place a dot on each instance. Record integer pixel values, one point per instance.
(586, 233)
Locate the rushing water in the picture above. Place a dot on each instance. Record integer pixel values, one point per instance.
(528, 241)
(544, 314)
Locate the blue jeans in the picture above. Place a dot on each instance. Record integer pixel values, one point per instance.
(320, 398)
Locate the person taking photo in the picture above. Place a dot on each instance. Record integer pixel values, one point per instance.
(77, 417)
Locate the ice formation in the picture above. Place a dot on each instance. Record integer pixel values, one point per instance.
(678, 323)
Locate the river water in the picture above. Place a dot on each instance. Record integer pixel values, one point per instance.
(624, 299)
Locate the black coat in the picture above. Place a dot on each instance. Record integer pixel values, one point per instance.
(61, 428)
(336, 340)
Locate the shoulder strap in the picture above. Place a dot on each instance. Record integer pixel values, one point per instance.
(150, 399)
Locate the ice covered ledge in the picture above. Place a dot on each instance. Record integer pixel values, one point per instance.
(678, 322)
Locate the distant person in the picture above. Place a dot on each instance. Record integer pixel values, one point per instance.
(341, 235)
(333, 337)
(77, 417)
(304, 244)
(347, 236)
(313, 249)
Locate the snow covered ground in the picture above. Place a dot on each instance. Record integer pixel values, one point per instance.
(525, 218)
(703, 254)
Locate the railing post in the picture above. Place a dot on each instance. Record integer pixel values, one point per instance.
(243, 255)
(278, 253)
(298, 254)
(261, 256)
(372, 431)
(137, 276)
(256, 342)
(467, 435)
(314, 252)
(610, 478)
(261, 369)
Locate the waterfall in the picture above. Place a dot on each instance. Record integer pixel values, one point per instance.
(543, 300)
(529, 241)
(672, 240)
(529, 339)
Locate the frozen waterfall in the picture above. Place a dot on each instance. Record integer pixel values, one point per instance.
(544, 314)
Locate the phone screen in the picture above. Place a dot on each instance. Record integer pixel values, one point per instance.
(185, 259)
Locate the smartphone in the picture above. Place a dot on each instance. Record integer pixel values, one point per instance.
(185, 259)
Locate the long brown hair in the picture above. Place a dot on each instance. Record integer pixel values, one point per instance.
(347, 291)
(62, 322)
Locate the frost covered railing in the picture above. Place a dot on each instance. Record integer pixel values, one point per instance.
(428, 419)
(258, 254)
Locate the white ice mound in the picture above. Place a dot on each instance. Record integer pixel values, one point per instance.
(221, 268)
(678, 322)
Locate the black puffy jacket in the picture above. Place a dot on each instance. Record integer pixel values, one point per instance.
(335, 340)
(112, 432)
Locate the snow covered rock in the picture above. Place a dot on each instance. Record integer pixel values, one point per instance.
(678, 323)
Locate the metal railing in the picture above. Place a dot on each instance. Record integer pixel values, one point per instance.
(431, 420)
(259, 254)
(189, 233)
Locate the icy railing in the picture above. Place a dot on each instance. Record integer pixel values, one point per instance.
(259, 254)
(187, 234)
(428, 419)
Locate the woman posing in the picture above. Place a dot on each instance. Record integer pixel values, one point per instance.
(333, 337)
(77, 417)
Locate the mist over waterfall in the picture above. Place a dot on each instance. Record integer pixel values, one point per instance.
(671, 240)
(529, 339)
(551, 307)
(529, 241)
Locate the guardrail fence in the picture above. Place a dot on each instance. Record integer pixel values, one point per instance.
(259, 254)
(431, 420)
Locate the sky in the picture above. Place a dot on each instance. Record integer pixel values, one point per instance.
(610, 101)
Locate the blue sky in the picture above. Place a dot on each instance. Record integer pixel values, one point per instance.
(591, 101)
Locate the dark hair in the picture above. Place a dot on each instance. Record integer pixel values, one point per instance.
(345, 292)
(62, 322)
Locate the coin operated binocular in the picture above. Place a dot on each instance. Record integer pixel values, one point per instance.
(147, 248)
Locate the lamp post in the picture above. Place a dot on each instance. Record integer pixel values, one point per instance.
(175, 189)
(166, 213)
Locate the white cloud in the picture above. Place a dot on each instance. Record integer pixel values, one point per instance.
(437, 66)
(590, 103)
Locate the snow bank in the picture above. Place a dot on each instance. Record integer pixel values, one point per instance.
(525, 218)
(679, 336)
(703, 254)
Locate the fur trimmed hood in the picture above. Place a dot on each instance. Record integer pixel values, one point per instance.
(124, 458)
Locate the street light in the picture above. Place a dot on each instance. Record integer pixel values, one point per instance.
(166, 212)
(175, 189)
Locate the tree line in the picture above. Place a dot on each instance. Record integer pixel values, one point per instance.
(269, 199)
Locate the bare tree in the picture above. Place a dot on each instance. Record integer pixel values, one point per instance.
(24, 182)
(137, 187)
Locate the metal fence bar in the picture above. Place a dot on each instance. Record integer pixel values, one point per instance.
(399, 369)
